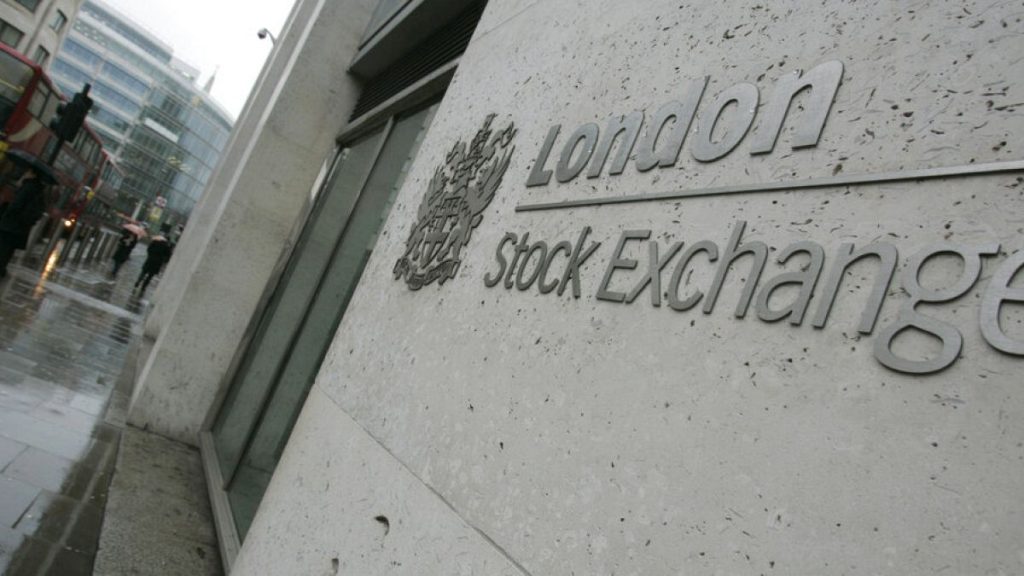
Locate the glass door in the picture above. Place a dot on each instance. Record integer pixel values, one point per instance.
(299, 321)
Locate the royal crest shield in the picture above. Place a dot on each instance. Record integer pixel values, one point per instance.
(458, 193)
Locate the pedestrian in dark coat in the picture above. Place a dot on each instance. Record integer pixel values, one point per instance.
(158, 253)
(125, 245)
(20, 215)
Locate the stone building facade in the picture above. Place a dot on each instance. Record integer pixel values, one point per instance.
(611, 288)
(36, 28)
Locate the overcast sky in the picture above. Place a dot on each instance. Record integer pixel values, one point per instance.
(212, 33)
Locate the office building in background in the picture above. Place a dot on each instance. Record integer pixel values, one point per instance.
(164, 130)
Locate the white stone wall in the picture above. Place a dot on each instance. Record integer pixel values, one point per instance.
(241, 230)
(580, 436)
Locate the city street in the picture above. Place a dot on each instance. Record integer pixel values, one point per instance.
(65, 336)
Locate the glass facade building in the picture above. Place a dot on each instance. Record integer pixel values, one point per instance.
(164, 131)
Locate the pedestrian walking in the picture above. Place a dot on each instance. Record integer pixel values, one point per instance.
(125, 245)
(18, 217)
(158, 253)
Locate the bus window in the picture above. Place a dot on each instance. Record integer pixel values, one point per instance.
(14, 77)
(51, 109)
(38, 101)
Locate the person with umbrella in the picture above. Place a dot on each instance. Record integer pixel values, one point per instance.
(18, 217)
(158, 253)
(130, 234)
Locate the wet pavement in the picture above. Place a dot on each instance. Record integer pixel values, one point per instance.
(65, 335)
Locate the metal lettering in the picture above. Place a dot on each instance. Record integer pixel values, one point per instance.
(654, 268)
(521, 249)
(999, 291)
(492, 281)
(745, 96)
(909, 318)
(805, 278)
(630, 125)
(603, 293)
(576, 259)
(587, 135)
(732, 252)
(846, 257)
(542, 284)
(541, 247)
(539, 176)
(681, 115)
(823, 83)
(674, 302)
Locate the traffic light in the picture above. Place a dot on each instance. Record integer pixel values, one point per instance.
(71, 115)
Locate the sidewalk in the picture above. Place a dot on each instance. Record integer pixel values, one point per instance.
(68, 341)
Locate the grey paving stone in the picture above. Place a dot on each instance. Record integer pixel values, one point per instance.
(39, 468)
(43, 435)
(15, 498)
(9, 450)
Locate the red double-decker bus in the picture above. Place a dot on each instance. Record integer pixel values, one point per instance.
(28, 102)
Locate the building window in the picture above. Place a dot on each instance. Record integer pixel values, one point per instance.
(40, 56)
(10, 35)
(135, 86)
(30, 4)
(80, 53)
(58, 22)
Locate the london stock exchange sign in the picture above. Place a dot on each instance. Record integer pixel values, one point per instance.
(524, 264)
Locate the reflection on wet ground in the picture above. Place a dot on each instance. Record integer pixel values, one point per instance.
(64, 337)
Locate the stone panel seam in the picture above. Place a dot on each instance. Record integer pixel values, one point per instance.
(439, 496)
(518, 13)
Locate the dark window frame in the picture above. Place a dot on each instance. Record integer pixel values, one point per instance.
(41, 55)
(6, 26)
(30, 5)
(60, 19)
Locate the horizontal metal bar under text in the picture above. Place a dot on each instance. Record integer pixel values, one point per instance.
(848, 180)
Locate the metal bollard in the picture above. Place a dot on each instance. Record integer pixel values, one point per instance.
(101, 251)
(51, 244)
(111, 246)
(97, 235)
(82, 243)
(69, 246)
(33, 238)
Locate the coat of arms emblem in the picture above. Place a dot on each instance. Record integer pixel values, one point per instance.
(453, 206)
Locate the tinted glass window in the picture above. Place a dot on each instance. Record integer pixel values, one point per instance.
(385, 10)
(80, 53)
(133, 85)
(72, 75)
(14, 77)
(38, 101)
(58, 22)
(9, 34)
(30, 4)
(116, 99)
